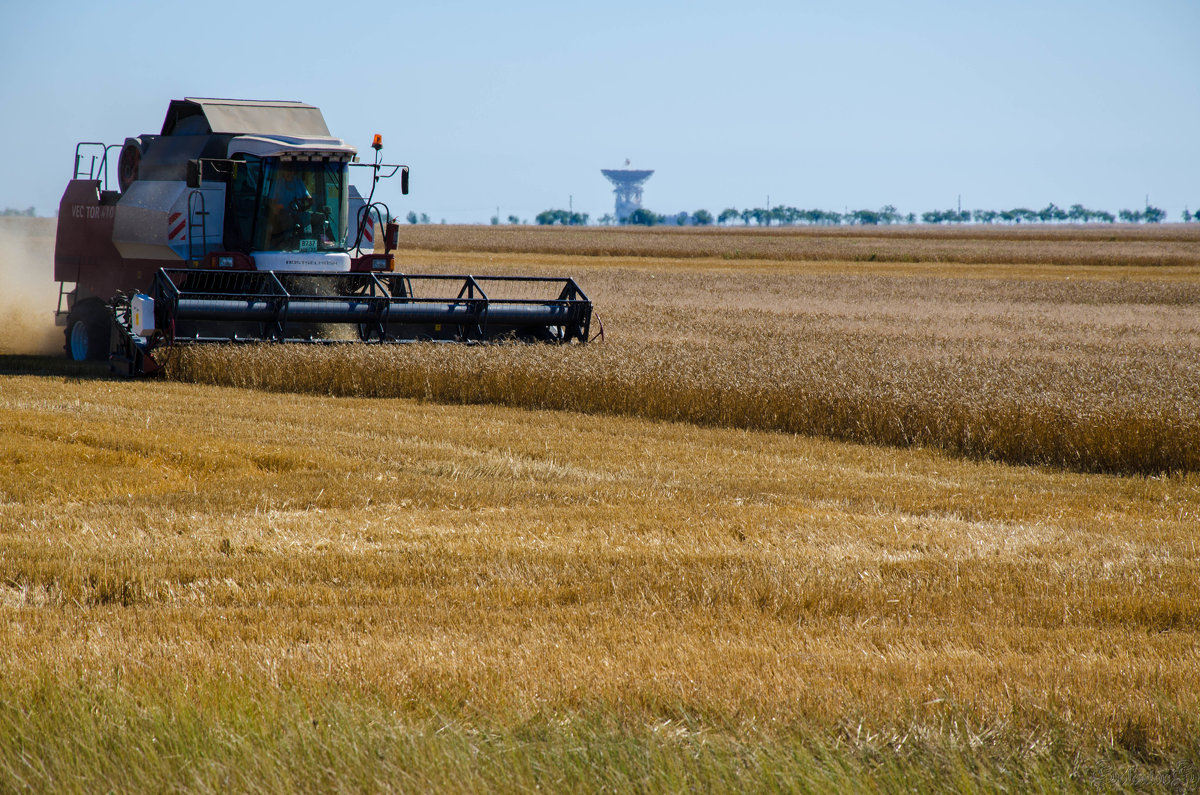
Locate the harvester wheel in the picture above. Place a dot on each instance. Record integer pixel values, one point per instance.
(88, 331)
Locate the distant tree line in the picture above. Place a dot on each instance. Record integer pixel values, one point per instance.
(783, 215)
(1077, 214)
(561, 217)
(28, 212)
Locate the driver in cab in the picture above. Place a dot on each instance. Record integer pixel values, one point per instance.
(290, 202)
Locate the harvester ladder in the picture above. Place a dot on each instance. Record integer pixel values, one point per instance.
(197, 219)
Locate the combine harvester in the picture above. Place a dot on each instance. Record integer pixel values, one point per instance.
(237, 223)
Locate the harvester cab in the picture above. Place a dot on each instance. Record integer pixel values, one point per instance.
(238, 222)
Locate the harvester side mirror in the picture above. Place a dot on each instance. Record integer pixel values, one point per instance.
(193, 173)
(404, 180)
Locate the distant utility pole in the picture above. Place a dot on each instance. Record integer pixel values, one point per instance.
(960, 204)
(570, 204)
(768, 202)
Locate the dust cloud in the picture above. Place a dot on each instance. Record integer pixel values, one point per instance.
(28, 292)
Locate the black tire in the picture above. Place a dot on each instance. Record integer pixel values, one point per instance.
(89, 328)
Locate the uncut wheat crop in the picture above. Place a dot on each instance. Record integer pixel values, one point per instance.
(1069, 367)
(1098, 246)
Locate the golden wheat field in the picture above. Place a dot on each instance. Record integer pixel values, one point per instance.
(798, 526)
(1112, 245)
(1089, 368)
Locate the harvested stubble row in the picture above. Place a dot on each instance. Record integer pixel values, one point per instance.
(1099, 375)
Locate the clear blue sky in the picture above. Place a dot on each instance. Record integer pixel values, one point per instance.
(519, 105)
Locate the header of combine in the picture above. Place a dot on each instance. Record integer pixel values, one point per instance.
(238, 222)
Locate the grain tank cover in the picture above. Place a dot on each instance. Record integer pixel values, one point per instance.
(202, 116)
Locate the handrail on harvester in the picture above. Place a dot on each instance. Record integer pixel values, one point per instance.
(97, 166)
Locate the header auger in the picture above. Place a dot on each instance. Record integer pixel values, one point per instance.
(237, 223)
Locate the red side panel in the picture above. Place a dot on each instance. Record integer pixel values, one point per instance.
(83, 249)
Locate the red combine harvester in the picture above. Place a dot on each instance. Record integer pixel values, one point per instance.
(238, 223)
